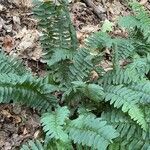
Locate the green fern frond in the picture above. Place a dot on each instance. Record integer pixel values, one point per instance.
(131, 135)
(132, 73)
(59, 34)
(92, 91)
(82, 65)
(141, 20)
(127, 99)
(33, 145)
(53, 124)
(142, 91)
(100, 40)
(11, 65)
(92, 132)
(26, 90)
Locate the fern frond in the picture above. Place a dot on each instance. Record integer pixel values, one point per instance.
(141, 20)
(26, 90)
(82, 65)
(77, 70)
(53, 124)
(92, 91)
(33, 145)
(131, 135)
(59, 34)
(101, 40)
(92, 132)
(132, 73)
(98, 40)
(126, 99)
(11, 65)
(142, 91)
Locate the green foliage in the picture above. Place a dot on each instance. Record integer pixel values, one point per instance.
(131, 135)
(27, 90)
(53, 124)
(11, 65)
(33, 145)
(141, 20)
(91, 131)
(82, 112)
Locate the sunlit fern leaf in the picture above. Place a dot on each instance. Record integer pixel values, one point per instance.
(53, 124)
(33, 145)
(131, 135)
(26, 90)
(11, 65)
(126, 99)
(93, 132)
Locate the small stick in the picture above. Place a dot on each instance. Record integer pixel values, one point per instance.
(98, 10)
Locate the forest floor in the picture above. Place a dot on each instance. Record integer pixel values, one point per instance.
(19, 36)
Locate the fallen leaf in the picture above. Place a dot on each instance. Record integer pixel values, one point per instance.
(17, 119)
(6, 113)
(37, 134)
(89, 29)
(28, 40)
(16, 20)
(25, 131)
(8, 43)
(143, 2)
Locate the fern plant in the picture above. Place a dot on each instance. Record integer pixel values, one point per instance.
(111, 112)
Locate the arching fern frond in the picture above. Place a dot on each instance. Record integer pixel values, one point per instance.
(134, 72)
(126, 99)
(11, 65)
(141, 20)
(131, 135)
(33, 145)
(92, 132)
(92, 91)
(100, 40)
(58, 32)
(81, 66)
(53, 124)
(26, 90)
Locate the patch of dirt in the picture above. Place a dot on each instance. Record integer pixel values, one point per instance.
(17, 125)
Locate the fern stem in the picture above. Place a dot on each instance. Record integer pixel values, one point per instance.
(115, 57)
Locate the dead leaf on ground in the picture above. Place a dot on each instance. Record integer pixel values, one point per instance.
(143, 2)
(8, 43)
(6, 113)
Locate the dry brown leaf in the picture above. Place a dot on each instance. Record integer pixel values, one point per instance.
(143, 2)
(17, 119)
(89, 29)
(6, 113)
(37, 134)
(25, 131)
(8, 43)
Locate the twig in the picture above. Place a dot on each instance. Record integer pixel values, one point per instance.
(98, 10)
